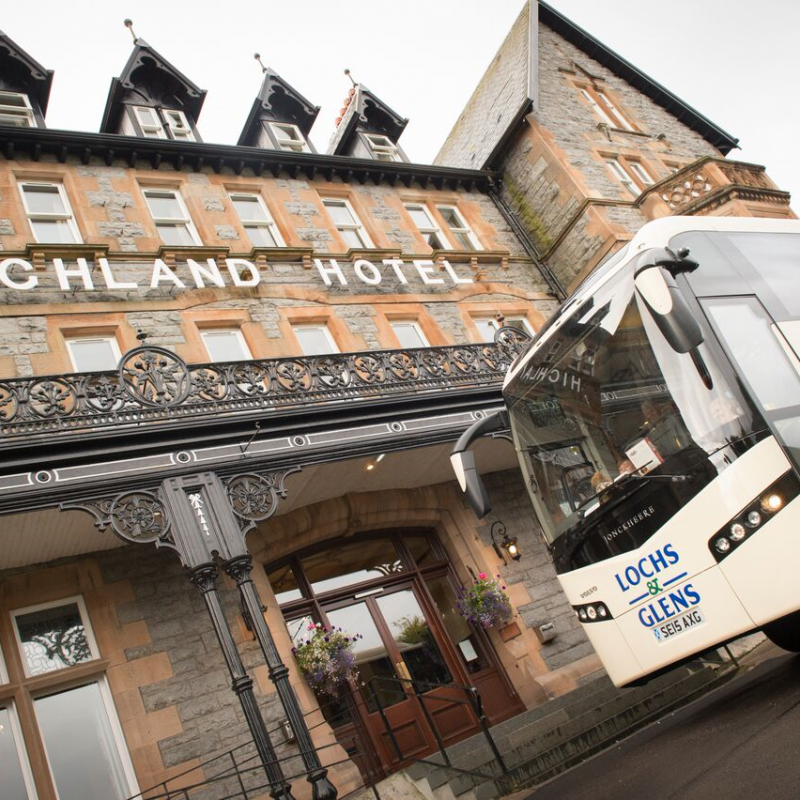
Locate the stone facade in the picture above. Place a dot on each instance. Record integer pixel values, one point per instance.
(110, 212)
(556, 175)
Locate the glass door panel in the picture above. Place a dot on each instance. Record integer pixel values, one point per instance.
(373, 659)
(414, 639)
(460, 633)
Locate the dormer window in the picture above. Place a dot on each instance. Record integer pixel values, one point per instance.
(289, 137)
(178, 125)
(15, 109)
(149, 122)
(382, 148)
(163, 123)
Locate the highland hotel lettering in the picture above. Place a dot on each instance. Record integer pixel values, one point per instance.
(230, 378)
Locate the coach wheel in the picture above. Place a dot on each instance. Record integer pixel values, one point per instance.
(785, 632)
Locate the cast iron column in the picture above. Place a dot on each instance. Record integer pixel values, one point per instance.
(239, 569)
(204, 578)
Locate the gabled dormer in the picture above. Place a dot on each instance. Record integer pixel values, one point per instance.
(24, 86)
(367, 128)
(280, 118)
(152, 99)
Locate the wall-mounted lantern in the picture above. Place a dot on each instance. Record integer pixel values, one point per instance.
(508, 543)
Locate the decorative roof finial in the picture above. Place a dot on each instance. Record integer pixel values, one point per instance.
(347, 72)
(129, 26)
(257, 57)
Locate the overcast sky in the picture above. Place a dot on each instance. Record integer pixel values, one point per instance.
(733, 60)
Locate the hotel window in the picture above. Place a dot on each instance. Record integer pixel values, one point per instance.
(347, 223)
(256, 220)
(149, 122)
(172, 220)
(77, 722)
(166, 123)
(15, 109)
(14, 766)
(49, 213)
(631, 174)
(226, 345)
(315, 340)
(606, 109)
(409, 334)
(430, 231)
(488, 326)
(382, 147)
(178, 125)
(289, 137)
(93, 353)
(461, 233)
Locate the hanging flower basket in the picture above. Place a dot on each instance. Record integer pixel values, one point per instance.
(326, 658)
(485, 604)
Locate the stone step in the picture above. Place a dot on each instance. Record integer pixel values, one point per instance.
(548, 743)
(514, 741)
(596, 738)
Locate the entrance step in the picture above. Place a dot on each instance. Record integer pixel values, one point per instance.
(538, 744)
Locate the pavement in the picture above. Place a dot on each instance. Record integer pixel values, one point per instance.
(741, 741)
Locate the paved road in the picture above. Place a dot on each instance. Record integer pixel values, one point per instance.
(741, 741)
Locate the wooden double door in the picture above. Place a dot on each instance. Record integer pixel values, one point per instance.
(415, 653)
(404, 672)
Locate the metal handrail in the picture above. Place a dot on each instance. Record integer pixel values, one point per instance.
(419, 688)
(153, 384)
(238, 768)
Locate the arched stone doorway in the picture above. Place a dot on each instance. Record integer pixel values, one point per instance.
(397, 589)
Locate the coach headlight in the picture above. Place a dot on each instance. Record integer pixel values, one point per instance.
(737, 533)
(753, 519)
(592, 613)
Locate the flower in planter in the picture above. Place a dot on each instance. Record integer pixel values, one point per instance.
(485, 603)
(326, 658)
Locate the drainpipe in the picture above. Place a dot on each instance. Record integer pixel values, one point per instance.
(555, 285)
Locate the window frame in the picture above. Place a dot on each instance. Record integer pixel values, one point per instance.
(621, 167)
(24, 111)
(376, 149)
(112, 717)
(268, 223)
(68, 216)
(434, 229)
(238, 335)
(184, 127)
(326, 333)
(476, 318)
(605, 108)
(63, 601)
(150, 131)
(463, 230)
(287, 144)
(19, 745)
(171, 221)
(357, 227)
(414, 324)
(100, 337)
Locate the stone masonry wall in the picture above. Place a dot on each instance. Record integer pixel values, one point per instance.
(110, 212)
(534, 570)
(199, 687)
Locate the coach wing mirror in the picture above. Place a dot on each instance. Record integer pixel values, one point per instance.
(656, 285)
(463, 461)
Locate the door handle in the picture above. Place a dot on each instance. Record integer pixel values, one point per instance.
(402, 670)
